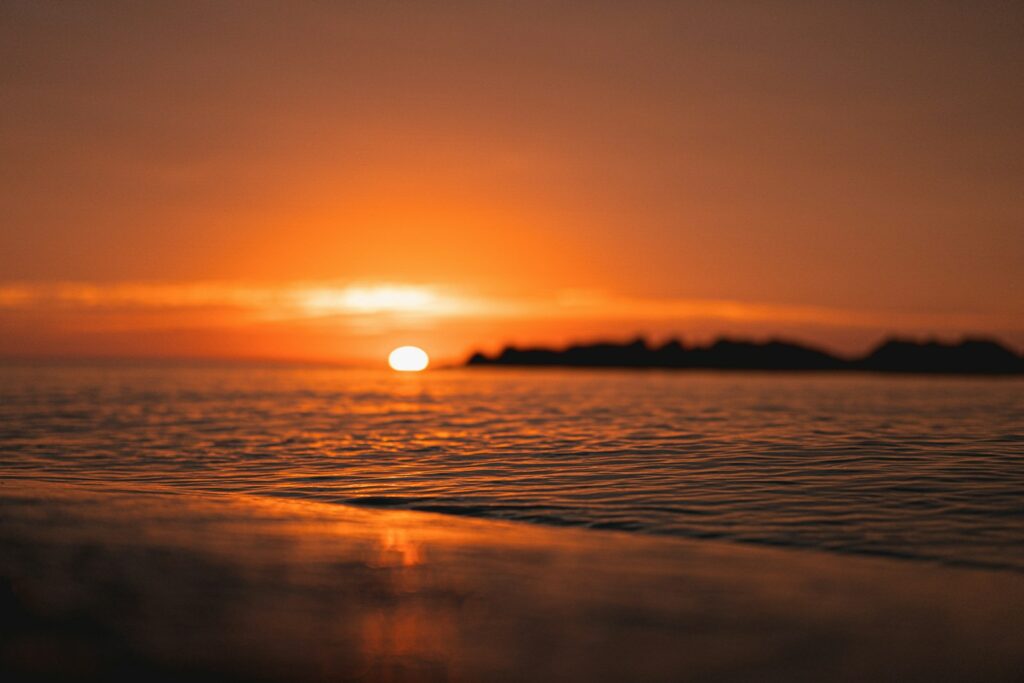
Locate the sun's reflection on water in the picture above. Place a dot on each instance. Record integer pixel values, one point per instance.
(398, 550)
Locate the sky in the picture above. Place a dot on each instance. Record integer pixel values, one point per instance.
(324, 181)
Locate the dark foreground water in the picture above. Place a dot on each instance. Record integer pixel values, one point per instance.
(167, 585)
(924, 468)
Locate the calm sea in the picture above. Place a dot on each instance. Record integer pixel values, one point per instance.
(921, 468)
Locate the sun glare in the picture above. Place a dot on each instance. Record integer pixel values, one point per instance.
(408, 359)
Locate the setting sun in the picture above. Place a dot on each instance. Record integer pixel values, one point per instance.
(408, 359)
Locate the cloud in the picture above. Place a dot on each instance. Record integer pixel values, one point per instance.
(287, 300)
(318, 300)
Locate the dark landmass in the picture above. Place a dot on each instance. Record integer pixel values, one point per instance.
(969, 357)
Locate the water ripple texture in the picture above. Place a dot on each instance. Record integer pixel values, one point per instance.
(914, 467)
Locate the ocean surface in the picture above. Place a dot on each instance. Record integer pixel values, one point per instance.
(922, 468)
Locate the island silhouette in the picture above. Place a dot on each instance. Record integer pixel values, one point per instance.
(971, 356)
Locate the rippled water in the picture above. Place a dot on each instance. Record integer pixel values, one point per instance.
(926, 468)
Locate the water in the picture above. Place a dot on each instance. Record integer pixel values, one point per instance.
(920, 468)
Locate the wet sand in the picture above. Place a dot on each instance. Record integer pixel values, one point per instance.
(163, 585)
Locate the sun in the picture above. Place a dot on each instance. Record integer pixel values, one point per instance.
(408, 359)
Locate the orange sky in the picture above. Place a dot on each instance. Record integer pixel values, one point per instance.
(219, 179)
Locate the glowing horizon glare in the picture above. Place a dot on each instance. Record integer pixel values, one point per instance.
(408, 359)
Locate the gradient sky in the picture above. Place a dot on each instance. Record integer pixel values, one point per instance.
(327, 180)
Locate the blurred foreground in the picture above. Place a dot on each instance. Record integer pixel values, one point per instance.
(163, 585)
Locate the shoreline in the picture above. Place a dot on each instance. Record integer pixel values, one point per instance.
(101, 585)
(446, 511)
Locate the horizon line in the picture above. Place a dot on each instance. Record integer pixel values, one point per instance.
(442, 362)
